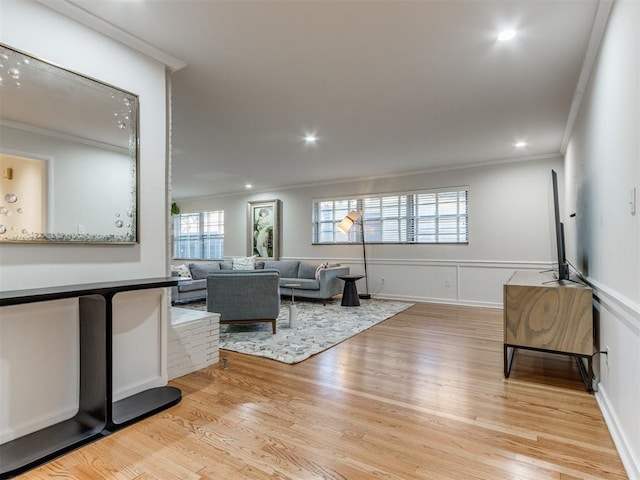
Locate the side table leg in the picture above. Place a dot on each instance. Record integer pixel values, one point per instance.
(293, 316)
(350, 294)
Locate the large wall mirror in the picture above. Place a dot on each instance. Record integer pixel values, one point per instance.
(68, 155)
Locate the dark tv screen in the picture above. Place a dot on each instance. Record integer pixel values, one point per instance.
(562, 268)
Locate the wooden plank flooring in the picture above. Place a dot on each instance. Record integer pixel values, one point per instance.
(419, 396)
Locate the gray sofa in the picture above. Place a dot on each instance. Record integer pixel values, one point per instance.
(298, 272)
(194, 286)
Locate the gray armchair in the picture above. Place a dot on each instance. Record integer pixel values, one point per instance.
(251, 297)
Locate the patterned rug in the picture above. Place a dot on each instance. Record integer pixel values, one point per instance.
(319, 327)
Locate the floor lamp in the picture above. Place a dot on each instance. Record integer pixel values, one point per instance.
(344, 226)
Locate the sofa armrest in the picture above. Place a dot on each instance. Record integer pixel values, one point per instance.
(327, 274)
(330, 284)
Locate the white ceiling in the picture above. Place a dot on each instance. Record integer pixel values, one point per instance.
(388, 86)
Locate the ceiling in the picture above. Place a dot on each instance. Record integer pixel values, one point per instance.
(39, 97)
(388, 86)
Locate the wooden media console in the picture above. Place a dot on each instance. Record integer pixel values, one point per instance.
(543, 314)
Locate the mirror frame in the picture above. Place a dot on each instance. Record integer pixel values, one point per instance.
(131, 234)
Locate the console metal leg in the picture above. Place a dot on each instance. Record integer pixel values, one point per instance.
(586, 372)
(508, 359)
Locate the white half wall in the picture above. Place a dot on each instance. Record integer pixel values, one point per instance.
(602, 168)
(508, 225)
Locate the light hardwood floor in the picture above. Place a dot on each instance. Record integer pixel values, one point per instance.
(419, 396)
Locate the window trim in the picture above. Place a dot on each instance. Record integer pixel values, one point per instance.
(356, 202)
(201, 236)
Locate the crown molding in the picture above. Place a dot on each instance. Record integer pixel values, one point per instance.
(597, 34)
(69, 9)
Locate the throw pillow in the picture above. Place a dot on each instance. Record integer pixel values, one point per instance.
(321, 267)
(244, 263)
(182, 271)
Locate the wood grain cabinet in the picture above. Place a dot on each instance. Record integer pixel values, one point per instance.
(542, 314)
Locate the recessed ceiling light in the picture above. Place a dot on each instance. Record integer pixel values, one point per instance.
(506, 35)
(248, 186)
(520, 144)
(310, 139)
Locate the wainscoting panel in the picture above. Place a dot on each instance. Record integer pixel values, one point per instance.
(411, 281)
(459, 282)
(482, 285)
(618, 326)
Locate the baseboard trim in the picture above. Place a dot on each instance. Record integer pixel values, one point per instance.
(441, 301)
(630, 462)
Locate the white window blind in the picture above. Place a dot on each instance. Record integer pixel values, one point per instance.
(434, 216)
(199, 236)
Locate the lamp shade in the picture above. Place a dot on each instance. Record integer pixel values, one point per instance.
(347, 222)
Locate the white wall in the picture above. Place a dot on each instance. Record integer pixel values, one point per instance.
(37, 30)
(88, 185)
(44, 369)
(508, 225)
(602, 166)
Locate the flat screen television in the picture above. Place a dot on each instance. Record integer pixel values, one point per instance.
(560, 264)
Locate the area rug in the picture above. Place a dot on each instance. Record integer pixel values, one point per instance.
(319, 327)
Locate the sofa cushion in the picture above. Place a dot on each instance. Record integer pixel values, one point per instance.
(307, 270)
(226, 265)
(192, 285)
(287, 268)
(199, 271)
(304, 284)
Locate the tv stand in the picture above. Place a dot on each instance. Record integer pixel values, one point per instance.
(563, 281)
(98, 415)
(543, 314)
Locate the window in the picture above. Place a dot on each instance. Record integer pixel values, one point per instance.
(199, 236)
(434, 216)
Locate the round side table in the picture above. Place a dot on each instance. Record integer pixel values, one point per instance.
(293, 309)
(350, 291)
